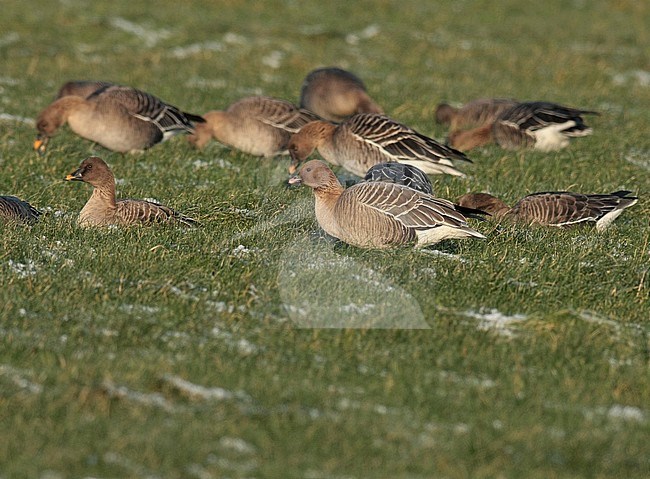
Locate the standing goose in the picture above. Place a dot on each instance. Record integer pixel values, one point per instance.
(561, 208)
(336, 94)
(256, 125)
(103, 209)
(379, 214)
(119, 118)
(15, 209)
(367, 139)
(82, 88)
(473, 114)
(540, 125)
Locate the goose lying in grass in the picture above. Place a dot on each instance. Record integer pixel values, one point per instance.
(401, 174)
(119, 118)
(380, 214)
(367, 139)
(15, 209)
(104, 209)
(256, 125)
(542, 126)
(335, 94)
(561, 208)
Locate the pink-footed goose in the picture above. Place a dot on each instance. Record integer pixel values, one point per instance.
(82, 88)
(335, 94)
(542, 126)
(380, 214)
(473, 114)
(367, 139)
(256, 125)
(119, 118)
(103, 209)
(559, 208)
(17, 210)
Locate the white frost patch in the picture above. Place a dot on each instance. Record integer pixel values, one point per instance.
(23, 270)
(626, 413)
(134, 469)
(9, 38)
(202, 392)
(244, 346)
(149, 36)
(235, 38)
(18, 378)
(442, 254)
(196, 48)
(639, 158)
(494, 320)
(368, 32)
(236, 444)
(146, 399)
(139, 308)
(197, 82)
(273, 59)
(483, 383)
(358, 309)
(639, 77)
(19, 119)
(9, 81)
(242, 251)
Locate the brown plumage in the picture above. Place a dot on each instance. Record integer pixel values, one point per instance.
(559, 208)
(256, 125)
(82, 88)
(380, 214)
(368, 139)
(335, 94)
(103, 209)
(119, 118)
(15, 209)
(543, 126)
(473, 114)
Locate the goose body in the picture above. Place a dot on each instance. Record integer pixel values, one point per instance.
(15, 209)
(473, 114)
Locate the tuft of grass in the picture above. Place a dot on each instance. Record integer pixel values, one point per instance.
(177, 352)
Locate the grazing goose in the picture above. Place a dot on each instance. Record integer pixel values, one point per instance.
(401, 174)
(379, 214)
(15, 209)
(540, 125)
(473, 114)
(256, 125)
(103, 209)
(561, 208)
(335, 94)
(367, 139)
(82, 88)
(119, 118)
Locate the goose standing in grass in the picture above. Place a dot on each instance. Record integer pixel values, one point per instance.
(119, 118)
(256, 125)
(561, 208)
(103, 209)
(367, 139)
(401, 174)
(540, 125)
(15, 209)
(82, 88)
(473, 114)
(380, 214)
(335, 94)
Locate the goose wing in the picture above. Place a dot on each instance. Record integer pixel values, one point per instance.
(279, 113)
(130, 211)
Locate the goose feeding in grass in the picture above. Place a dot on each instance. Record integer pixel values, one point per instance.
(380, 214)
(335, 94)
(473, 114)
(82, 88)
(103, 209)
(539, 125)
(257, 125)
(119, 118)
(367, 139)
(560, 208)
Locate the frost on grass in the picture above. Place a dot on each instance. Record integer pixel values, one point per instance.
(639, 157)
(16, 118)
(23, 270)
(496, 321)
(196, 48)
(322, 289)
(201, 392)
(17, 377)
(636, 77)
(149, 36)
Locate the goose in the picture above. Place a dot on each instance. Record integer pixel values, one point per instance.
(473, 114)
(555, 208)
(367, 139)
(15, 209)
(335, 94)
(257, 125)
(401, 174)
(543, 126)
(82, 88)
(120, 118)
(380, 214)
(104, 209)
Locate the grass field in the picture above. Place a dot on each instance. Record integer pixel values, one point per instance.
(205, 353)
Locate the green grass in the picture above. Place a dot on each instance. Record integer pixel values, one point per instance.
(533, 354)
